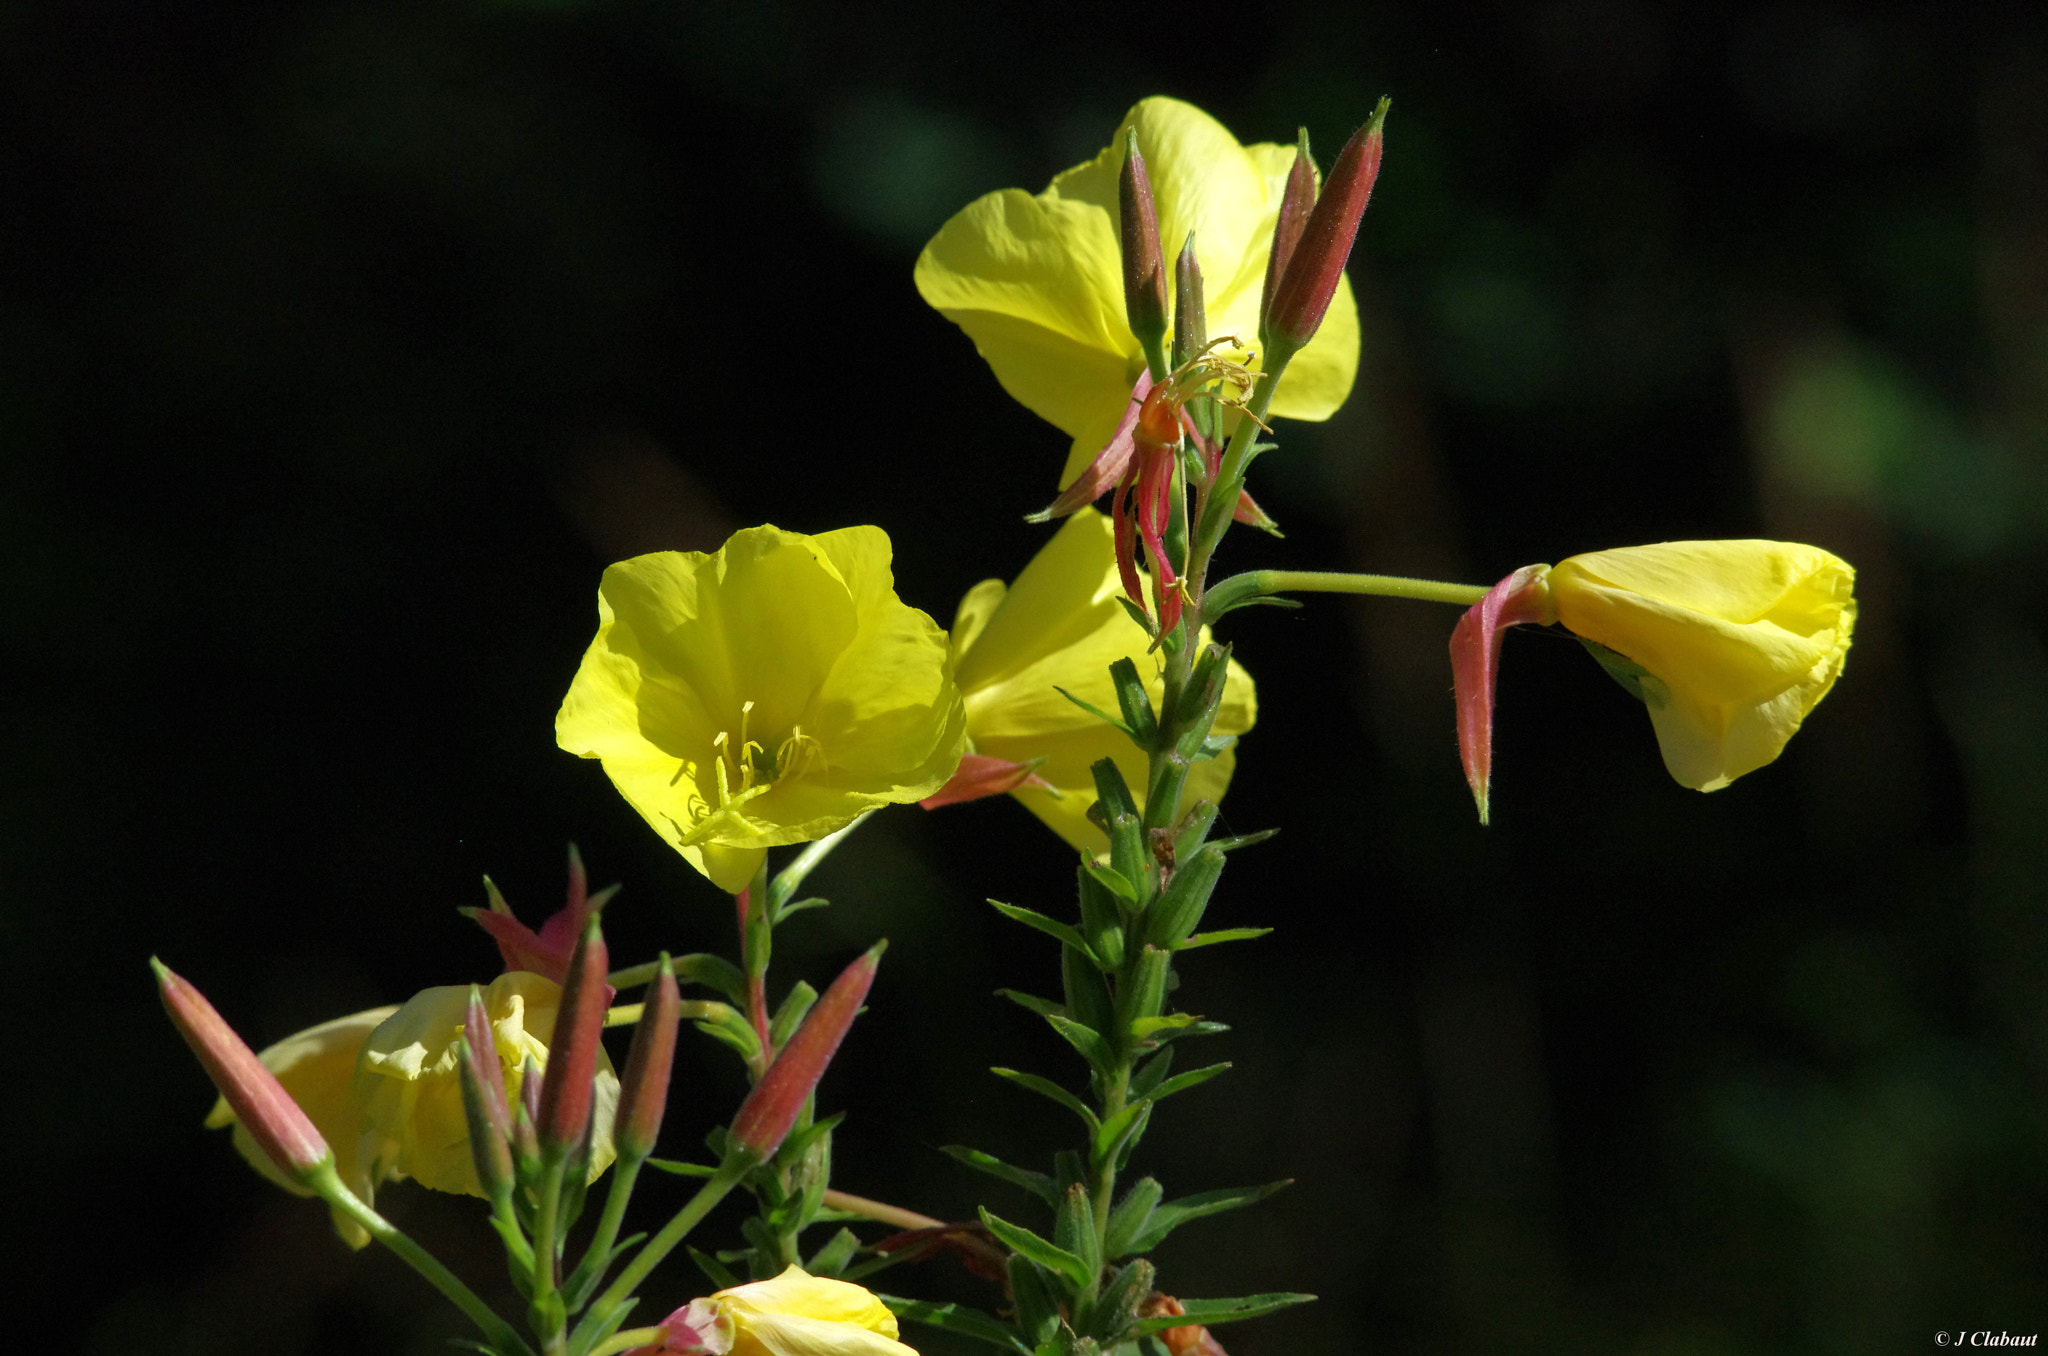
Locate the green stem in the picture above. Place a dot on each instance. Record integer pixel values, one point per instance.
(595, 1257)
(1220, 502)
(676, 1230)
(328, 1184)
(627, 1340)
(1378, 585)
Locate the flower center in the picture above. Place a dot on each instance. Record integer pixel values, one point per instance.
(744, 769)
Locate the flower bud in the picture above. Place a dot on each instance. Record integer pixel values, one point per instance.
(1144, 264)
(568, 1088)
(1317, 260)
(643, 1095)
(483, 1100)
(765, 1118)
(260, 1102)
(981, 776)
(1190, 313)
(1296, 201)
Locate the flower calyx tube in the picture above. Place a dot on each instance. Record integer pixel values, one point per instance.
(1315, 264)
(772, 1108)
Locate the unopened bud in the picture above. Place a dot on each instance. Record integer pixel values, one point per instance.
(260, 1102)
(1144, 264)
(1190, 315)
(483, 1100)
(567, 1089)
(1316, 264)
(765, 1118)
(1297, 200)
(643, 1095)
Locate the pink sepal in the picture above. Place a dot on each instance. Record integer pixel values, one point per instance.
(1522, 597)
(699, 1328)
(1101, 475)
(1249, 513)
(545, 952)
(981, 776)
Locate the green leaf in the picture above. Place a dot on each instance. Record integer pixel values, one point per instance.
(1221, 935)
(713, 972)
(1194, 829)
(682, 1169)
(1044, 1007)
(1128, 1219)
(1037, 1183)
(831, 1259)
(1209, 1313)
(1074, 1229)
(1242, 840)
(794, 1005)
(716, 1270)
(1045, 1087)
(1173, 1214)
(1181, 1083)
(799, 905)
(1092, 709)
(1214, 746)
(1109, 1136)
(957, 1318)
(1116, 1308)
(1033, 1296)
(1151, 1072)
(729, 1028)
(1179, 908)
(1022, 1241)
(1136, 704)
(1086, 990)
(1086, 1039)
(1172, 1021)
(1113, 881)
(1058, 931)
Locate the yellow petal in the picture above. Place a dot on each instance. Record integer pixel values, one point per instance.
(795, 1314)
(1741, 638)
(317, 1067)
(408, 1083)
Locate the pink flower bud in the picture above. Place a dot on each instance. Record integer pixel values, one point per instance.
(260, 1102)
(1318, 259)
(566, 1089)
(643, 1095)
(1522, 597)
(484, 1107)
(1296, 201)
(765, 1118)
(1144, 264)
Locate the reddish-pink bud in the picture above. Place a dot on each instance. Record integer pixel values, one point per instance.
(643, 1093)
(771, 1108)
(1317, 263)
(1296, 201)
(981, 776)
(1144, 264)
(567, 1088)
(1522, 597)
(260, 1102)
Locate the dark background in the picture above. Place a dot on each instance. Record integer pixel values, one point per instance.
(342, 345)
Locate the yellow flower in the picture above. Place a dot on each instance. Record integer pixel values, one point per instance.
(794, 1314)
(1737, 641)
(409, 1085)
(317, 1067)
(1060, 626)
(1037, 283)
(767, 693)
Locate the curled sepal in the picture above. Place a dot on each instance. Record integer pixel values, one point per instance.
(260, 1103)
(765, 1118)
(547, 951)
(981, 776)
(1522, 597)
(1106, 472)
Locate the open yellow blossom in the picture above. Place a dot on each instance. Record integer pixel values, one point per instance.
(1037, 282)
(1060, 626)
(408, 1080)
(794, 1314)
(766, 693)
(1736, 641)
(317, 1067)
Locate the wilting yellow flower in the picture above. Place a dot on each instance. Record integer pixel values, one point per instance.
(767, 693)
(408, 1080)
(1037, 283)
(317, 1067)
(1737, 641)
(1060, 626)
(795, 1314)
